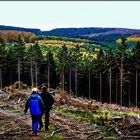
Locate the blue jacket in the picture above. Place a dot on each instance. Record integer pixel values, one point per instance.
(35, 103)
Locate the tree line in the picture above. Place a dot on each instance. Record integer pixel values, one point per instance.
(107, 75)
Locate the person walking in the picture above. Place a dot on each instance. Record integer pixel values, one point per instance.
(48, 102)
(36, 105)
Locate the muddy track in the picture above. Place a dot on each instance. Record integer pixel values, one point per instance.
(13, 126)
(19, 125)
(73, 128)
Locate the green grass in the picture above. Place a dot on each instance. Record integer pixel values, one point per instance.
(12, 109)
(101, 118)
(115, 113)
(47, 135)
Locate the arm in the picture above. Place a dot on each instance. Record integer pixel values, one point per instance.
(26, 105)
(51, 99)
(41, 103)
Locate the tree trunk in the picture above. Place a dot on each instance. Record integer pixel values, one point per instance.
(62, 78)
(19, 74)
(100, 86)
(129, 99)
(89, 77)
(110, 84)
(36, 74)
(11, 79)
(0, 78)
(136, 88)
(76, 80)
(116, 89)
(32, 78)
(69, 80)
(121, 78)
(48, 75)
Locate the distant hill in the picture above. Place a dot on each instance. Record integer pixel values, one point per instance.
(102, 36)
(35, 31)
(91, 32)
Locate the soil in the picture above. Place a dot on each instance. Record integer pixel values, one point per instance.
(14, 124)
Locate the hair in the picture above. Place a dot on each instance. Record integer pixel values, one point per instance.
(34, 90)
(39, 88)
(44, 88)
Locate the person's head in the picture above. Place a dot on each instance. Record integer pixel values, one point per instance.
(39, 88)
(44, 89)
(34, 90)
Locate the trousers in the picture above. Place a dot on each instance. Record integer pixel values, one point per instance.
(47, 120)
(35, 122)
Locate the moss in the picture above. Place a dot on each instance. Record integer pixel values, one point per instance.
(47, 135)
(52, 128)
(101, 118)
(55, 137)
(111, 138)
(118, 113)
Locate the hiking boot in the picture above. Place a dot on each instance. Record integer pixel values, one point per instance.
(35, 134)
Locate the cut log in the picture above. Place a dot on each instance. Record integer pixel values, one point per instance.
(132, 122)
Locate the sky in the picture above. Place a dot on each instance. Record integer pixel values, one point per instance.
(47, 15)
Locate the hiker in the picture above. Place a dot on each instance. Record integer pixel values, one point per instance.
(36, 105)
(48, 102)
(39, 90)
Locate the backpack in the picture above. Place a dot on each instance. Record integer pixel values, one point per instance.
(35, 108)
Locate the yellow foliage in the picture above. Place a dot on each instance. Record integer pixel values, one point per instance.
(97, 50)
(118, 41)
(86, 55)
(60, 43)
(133, 38)
(44, 53)
(94, 56)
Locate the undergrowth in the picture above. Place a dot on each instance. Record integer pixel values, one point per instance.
(101, 118)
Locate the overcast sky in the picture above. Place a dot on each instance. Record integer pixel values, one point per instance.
(47, 15)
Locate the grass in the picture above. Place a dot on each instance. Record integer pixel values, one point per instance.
(112, 113)
(47, 135)
(101, 118)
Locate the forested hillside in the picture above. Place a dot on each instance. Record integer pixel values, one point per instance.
(102, 36)
(8, 36)
(35, 31)
(75, 65)
(91, 84)
(78, 32)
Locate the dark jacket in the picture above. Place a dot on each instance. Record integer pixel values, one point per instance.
(35, 103)
(47, 99)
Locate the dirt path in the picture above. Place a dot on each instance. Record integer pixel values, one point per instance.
(73, 128)
(15, 125)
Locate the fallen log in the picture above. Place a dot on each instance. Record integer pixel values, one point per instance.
(132, 122)
(55, 132)
(118, 131)
(13, 133)
(130, 137)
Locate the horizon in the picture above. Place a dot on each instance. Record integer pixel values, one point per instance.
(80, 14)
(70, 27)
